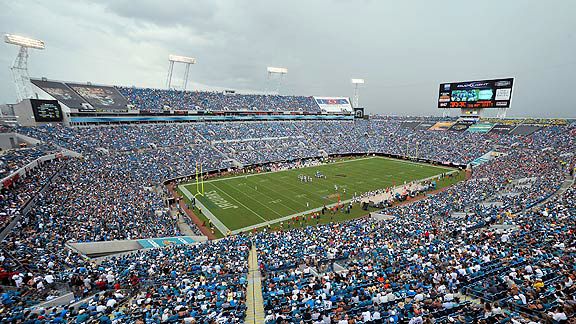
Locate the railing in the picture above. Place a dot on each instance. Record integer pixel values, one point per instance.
(31, 203)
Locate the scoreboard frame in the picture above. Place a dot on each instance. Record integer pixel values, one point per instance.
(480, 94)
(55, 115)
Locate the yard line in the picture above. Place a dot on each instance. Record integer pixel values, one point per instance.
(255, 213)
(292, 192)
(282, 193)
(288, 217)
(258, 201)
(284, 196)
(344, 202)
(263, 173)
(296, 190)
(280, 202)
(320, 184)
(250, 209)
(313, 195)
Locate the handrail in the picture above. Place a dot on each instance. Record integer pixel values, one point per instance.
(30, 203)
(15, 259)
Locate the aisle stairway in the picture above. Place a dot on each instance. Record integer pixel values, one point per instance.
(254, 300)
(566, 184)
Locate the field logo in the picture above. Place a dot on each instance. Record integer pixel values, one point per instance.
(219, 200)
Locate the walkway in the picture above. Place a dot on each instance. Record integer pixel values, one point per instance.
(566, 184)
(182, 225)
(254, 300)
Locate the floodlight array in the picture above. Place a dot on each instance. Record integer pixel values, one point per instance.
(24, 41)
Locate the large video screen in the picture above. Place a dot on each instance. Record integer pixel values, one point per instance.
(46, 111)
(476, 94)
(100, 97)
(60, 92)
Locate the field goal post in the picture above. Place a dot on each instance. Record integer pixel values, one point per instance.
(199, 179)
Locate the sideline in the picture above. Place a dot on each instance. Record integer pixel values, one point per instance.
(219, 225)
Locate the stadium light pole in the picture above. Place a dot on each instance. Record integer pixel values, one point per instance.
(281, 72)
(356, 98)
(179, 59)
(19, 68)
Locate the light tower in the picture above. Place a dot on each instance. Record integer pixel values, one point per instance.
(19, 68)
(280, 74)
(356, 83)
(179, 59)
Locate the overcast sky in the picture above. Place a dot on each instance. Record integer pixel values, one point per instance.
(403, 49)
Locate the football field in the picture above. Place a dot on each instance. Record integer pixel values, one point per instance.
(243, 201)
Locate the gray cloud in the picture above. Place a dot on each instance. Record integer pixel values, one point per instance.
(402, 49)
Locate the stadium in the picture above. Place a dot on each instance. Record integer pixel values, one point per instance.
(179, 204)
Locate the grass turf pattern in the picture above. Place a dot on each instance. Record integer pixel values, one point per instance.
(242, 201)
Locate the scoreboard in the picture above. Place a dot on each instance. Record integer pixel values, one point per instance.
(46, 111)
(481, 94)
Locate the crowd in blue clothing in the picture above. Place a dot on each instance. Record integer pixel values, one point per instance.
(112, 193)
(13, 160)
(148, 99)
(165, 285)
(415, 266)
(14, 197)
(242, 140)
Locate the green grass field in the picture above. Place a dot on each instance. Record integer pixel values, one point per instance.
(242, 201)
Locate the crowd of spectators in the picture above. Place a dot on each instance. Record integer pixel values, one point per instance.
(205, 283)
(410, 272)
(258, 142)
(23, 188)
(148, 99)
(14, 159)
(416, 265)
(541, 287)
